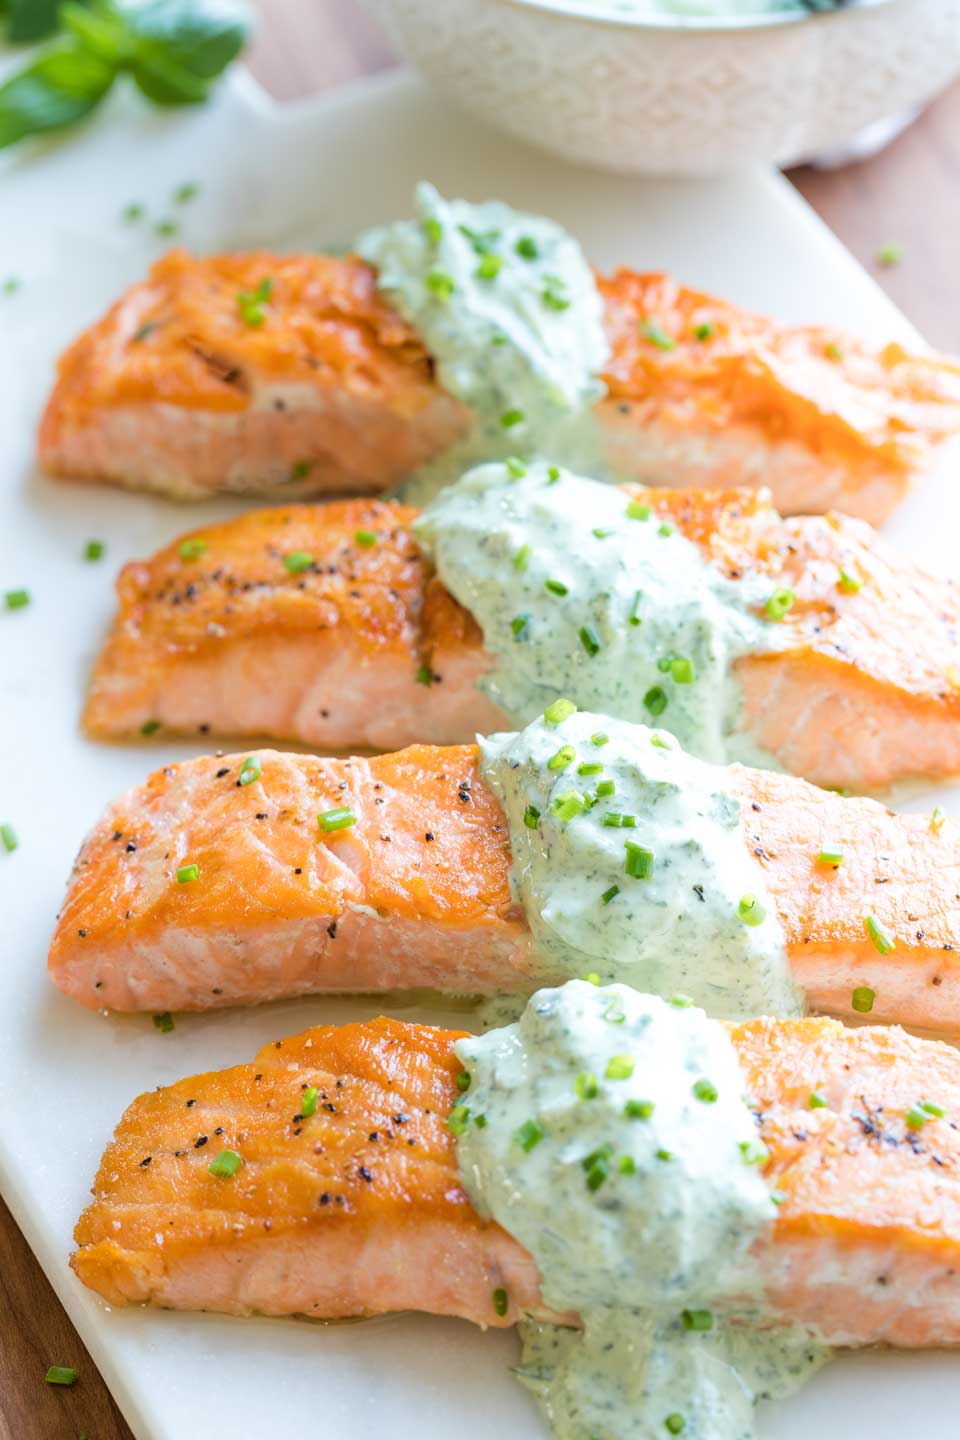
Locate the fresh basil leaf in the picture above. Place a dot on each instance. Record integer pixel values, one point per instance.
(61, 87)
(102, 31)
(165, 82)
(31, 20)
(199, 36)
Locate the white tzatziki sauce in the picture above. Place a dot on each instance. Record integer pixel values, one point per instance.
(581, 591)
(510, 312)
(608, 1132)
(630, 863)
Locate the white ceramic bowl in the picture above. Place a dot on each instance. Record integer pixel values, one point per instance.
(678, 95)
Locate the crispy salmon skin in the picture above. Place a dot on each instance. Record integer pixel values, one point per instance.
(324, 625)
(357, 1208)
(416, 892)
(280, 375)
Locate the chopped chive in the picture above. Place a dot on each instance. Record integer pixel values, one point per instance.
(440, 284)
(8, 838)
(664, 1154)
(662, 742)
(166, 228)
(706, 1091)
(937, 818)
(482, 241)
(16, 599)
(635, 618)
(613, 820)
(527, 248)
(681, 670)
(697, 1319)
(516, 467)
(480, 1121)
(666, 528)
(520, 625)
(915, 1118)
(614, 1015)
(432, 229)
(816, 1101)
(654, 332)
(554, 300)
(862, 999)
(779, 603)
(636, 510)
(931, 1108)
(463, 1080)
(675, 1424)
(597, 1167)
(750, 910)
(639, 1109)
(831, 853)
(599, 739)
(521, 558)
(591, 978)
(639, 861)
(655, 700)
(192, 548)
(590, 767)
(556, 587)
(610, 894)
(297, 561)
(754, 1152)
(251, 302)
(94, 550)
(501, 1302)
(424, 675)
(226, 1165)
(605, 788)
(489, 266)
(682, 1002)
(531, 817)
(133, 212)
(849, 582)
(187, 874)
(528, 1135)
(565, 756)
(249, 770)
(509, 418)
(458, 1119)
(890, 254)
(62, 1375)
(142, 331)
(339, 818)
(164, 1022)
(559, 711)
(704, 330)
(185, 193)
(600, 533)
(881, 938)
(833, 352)
(308, 1102)
(619, 1067)
(567, 806)
(627, 1165)
(365, 538)
(149, 727)
(589, 639)
(587, 1086)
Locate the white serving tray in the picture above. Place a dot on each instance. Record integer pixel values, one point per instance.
(281, 176)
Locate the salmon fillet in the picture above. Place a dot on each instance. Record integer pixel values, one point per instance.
(358, 1209)
(864, 691)
(175, 391)
(417, 892)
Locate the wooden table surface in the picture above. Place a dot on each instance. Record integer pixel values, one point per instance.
(910, 194)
